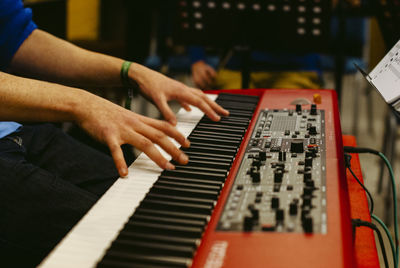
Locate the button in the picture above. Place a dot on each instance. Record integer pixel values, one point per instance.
(289, 187)
(313, 109)
(287, 132)
(308, 161)
(293, 209)
(262, 155)
(298, 108)
(278, 175)
(297, 146)
(313, 130)
(282, 156)
(307, 176)
(308, 224)
(268, 228)
(277, 187)
(248, 223)
(275, 202)
(279, 215)
(310, 183)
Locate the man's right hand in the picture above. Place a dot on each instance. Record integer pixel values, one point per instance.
(203, 75)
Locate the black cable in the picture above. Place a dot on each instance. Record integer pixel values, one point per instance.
(347, 158)
(358, 223)
(359, 150)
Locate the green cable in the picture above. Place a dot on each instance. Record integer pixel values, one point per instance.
(388, 235)
(396, 231)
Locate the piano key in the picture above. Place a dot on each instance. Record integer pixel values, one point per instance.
(194, 200)
(216, 136)
(182, 215)
(216, 133)
(119, 259)
(201, 169)
(214, 150)
(192, 174)
(176, 206)
(165, 229)
(187, 185)
(213, 141)
(220, 130)
(193, 242)
(185, 191)
(193, 162)
(192, 180)
(210, 157)
(167, 220)
(152, 248)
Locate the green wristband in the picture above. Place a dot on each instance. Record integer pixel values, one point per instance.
(126, 82)
(124, 73)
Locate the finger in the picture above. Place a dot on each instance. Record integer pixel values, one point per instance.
(146, 146)
(166, 111)
(217, 107)
(167, 129)
(162, 140)
(211, 72)
(185, 106)
(118, 157)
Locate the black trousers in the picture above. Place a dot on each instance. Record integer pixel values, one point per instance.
(48, 181)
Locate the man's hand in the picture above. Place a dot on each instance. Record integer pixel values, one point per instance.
(203, 74)
(161, 89)
(114, 126)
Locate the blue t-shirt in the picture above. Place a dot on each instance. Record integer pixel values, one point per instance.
(15, 26)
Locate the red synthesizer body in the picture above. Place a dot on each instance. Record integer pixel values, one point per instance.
(332, 248)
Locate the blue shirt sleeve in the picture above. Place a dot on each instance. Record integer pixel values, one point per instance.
(196, 53)
(15, 26)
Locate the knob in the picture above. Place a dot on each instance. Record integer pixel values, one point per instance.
(256, 176)
(282, 156)
(313, 109)
(256, 163)
(307, 201)
(262, 156)
(298, 108)
(307, 191)
(278, 175)
(310, 154)
(293, 209)
(307, 176)
(255, 214)
(308, 224)
(308, 161)
(275, 202)
(248, 223)
(297, 146)
(312, 130)
(279, 215)
(310, 183)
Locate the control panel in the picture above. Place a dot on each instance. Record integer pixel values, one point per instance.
(281, 182)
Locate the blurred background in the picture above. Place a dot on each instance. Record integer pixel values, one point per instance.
(359, 32)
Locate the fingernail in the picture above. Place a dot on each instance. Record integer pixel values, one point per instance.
(226, 112)
(183, 158)
(187, 143)
(124, 172)
(218, 117)
(169, 166)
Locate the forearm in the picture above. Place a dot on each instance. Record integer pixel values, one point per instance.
(23, 99)
(49, 58)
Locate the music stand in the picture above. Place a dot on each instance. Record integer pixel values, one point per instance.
(296, 26)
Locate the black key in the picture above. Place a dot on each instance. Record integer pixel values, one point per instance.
(207, 164)
(117, 259)
(185, 191)
(200, 217)
(216, 133)
(214, 124)
(214, 140)
(214, 150)
(197, 175)
(192, 180)
(201, 169)
(192, 242)
(167, 220)
(192, 200)
(176, 206)
(153, 228)
(187, 185)
(216, 136)
(220, 130)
